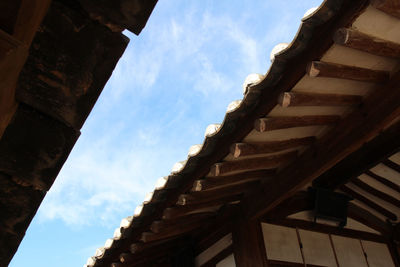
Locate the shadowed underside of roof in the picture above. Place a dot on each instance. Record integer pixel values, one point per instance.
(55, 58)
(329, 94)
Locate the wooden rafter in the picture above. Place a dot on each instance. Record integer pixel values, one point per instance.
(208, 208)
(259, 163)
(365, 217)
(391, 164)
(368, 202)
(303, 201)
(209, 196)
(370, 154)
(378, 111)
(276, 123)
(222, 181)
(173, 232)
(391, 7)
(373, 191)
(333, 70)
(370, 44)
(294, 99)
(162, 225)
(248, 149)
(384, 181)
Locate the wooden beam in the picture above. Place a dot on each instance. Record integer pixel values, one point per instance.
(365, 217)
(333, 70)
(222, 181)
(248, 149)
(301, 201)
(384, 181)
(367, 188)
(30, 16)
(34, 147)
(167, 225)
(391, 7)
(248, 244)
(367, 43)
(391, 164)
(368, 202)
(219, 257)
(64, 83)
(13, 54)
(245, 165)
(294, 99)
(222, 227)
(379, 110)
(277, 123)
(205, 207)
(120, 14)
(198, 197)
(12, 59)
(172, 232)
(370, 154)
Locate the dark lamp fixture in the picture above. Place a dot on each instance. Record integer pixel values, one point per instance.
(330, 205)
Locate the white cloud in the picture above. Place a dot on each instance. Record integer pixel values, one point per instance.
(111, 169)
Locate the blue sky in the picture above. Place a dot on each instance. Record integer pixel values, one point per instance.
(173, 80)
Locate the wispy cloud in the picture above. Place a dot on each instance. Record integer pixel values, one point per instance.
(174, 79)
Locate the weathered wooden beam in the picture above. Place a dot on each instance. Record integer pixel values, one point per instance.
(365, 217)
(301, 201)
(370, 154)
(172, 232)
(368, 202)
(276, 123)
(29, 18)
(204, 207)
(34, 147)
(221, 181)
(379, 110)
(248, 244)
(245, 165)
(391, 164)
(18, 205)
(364, 42)
(391, 7)
(333, 70)
(67, 69)
(367, 188)
(248, 149)
(384, 181)
(197, 197)
(294, 99)
(120, 14)
(25, 20)
(219, 257)
(8, 15)
(13, 54)
(126, 257)
(164, 225)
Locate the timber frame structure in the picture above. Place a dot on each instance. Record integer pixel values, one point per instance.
(326, 115)
(55, 58)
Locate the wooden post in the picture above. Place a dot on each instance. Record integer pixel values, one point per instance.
(248, 244)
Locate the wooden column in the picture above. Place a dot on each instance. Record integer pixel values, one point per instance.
(248, 244)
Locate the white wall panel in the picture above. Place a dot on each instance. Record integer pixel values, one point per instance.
(281, 243)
